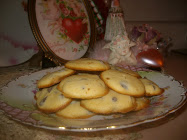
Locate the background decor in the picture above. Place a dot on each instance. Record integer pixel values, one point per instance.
(63, 29)
(17, 43)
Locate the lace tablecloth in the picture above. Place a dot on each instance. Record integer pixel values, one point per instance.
(13, 130)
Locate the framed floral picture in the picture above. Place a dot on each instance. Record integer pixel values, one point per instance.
(64, 29)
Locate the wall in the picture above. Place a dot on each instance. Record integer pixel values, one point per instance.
(167, 16)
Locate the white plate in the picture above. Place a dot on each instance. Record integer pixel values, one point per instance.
(17, 43)
(17, 101)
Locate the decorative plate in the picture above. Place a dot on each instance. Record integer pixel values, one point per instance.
(17, 43)
(64, 29)
(17, 101)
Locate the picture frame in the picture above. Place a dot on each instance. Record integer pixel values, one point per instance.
(63, 29)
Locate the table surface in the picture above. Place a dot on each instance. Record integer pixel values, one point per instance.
(172, 127)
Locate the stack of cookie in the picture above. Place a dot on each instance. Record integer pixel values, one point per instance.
(86, 87)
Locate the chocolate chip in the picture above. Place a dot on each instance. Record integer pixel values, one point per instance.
(114, 99)
(154, 87)
(124, 85)
(49, 89)
(83, 87)
(42, 101)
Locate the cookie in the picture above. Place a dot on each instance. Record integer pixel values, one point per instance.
(130, 72)
(151, 88)
(87, 64)
(54, 77)
(123, 83)
(74, 111)
(50, 100)
(83, 86)
(113, 102)
(141, 103)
